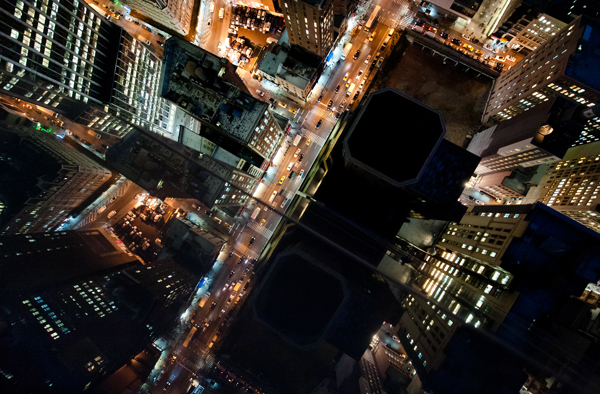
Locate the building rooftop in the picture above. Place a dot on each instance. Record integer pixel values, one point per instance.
(208, 87)
(583, 65)
(407, 132)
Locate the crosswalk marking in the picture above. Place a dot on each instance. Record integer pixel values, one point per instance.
(316, 139)
(264, 231)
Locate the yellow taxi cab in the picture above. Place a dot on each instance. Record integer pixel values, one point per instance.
(281, 180)
(284, 105)
(292, 110)
(262, 223)
(308, 141)
(468, 47)
(348, 82)
(480, 53)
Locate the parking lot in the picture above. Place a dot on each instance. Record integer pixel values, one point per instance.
(140, 230)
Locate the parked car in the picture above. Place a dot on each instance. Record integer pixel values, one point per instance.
(319, 123)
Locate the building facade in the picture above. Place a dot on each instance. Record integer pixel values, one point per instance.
(310, 24)
(555, 68)
(59, 55)
(532, 30)
(50, 179)
(572, 186)
(66, 57)
(174, 14)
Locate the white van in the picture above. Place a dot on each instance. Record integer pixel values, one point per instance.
(102, 209)
(221, 13)
(290, 166)
(212, 7)
(110, 215)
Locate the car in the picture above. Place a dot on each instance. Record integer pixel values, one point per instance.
(443, 35)
(284, 105)
(319, 123)
(308, 141)
(456, 41)
(260, 93)
(346, 76)
(367, 59)
(348, 82)
(342, 104)
(433, 29)
(372, 36)
(511, 58)
(356, 55)
(212, 7)
(301, 158)
(231, 273)
(332, 110)
(284, 202)
(292, 110)
(337, 89)
(262, 223)
(136, 22)
(466, 37)
(500, 58)
(281, 179)
(221, 13)
(360, 72)
(474, 40)
(146, 28)
(161, 43)
(479, 52)
(111, 214)
(301, 174)
(297, 152)
(330, 104)
(251, 241)
(356, 95)
(468, 47)
(213, 306)
(320, 98)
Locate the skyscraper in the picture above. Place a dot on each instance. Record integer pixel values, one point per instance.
(44, 179)
(310, 24)
(564, 65)
(511, 151)
(529, 29)
(516, 272)
(68, 58)
(220, 115)
(572, 186)
(72, 324)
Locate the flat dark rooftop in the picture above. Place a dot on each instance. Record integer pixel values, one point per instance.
(394, 135)
(299, 300)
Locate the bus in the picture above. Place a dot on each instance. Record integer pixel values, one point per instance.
(346, 50)
(189, 337)
(372, 18)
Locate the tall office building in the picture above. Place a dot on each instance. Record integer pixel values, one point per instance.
(68, 58)
(174, 14)
(44, 179)
(169, 169)
(515, 271)
(529, 29)
(513, 151)
(564, 65)
(229, 124)
(572, 186)
(60, 55)
(73, 324)
(310, 24)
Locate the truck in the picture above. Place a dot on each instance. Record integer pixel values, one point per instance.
(255, 213)
(350, 90)
(385, 42)
(237, 286)
(203, 300)
(297, 140)
(347, 49)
